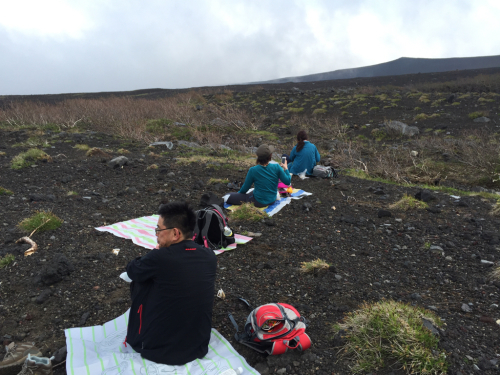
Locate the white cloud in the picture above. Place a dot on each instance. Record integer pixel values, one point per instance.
(94, 45)
(44, 18)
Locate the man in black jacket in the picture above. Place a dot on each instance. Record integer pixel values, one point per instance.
(172, 292)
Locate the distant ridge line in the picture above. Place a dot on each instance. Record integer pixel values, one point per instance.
(403, 65)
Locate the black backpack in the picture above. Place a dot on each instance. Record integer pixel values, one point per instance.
(211, 228)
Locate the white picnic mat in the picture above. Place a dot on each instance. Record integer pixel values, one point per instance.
(142, 232)
(100, 350)
(275, 207)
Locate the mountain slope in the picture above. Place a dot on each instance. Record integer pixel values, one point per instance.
(403, 65)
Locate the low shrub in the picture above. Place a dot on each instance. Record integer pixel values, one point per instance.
(6, 260)
(408, 202)
(374, 108)
(42, 220)
(4, 191)
(28, 158)
(247, 212)
(475, 115)
(296, 110)
(388, 332)
(314, 266)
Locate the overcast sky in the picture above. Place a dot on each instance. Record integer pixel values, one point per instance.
(63, 46)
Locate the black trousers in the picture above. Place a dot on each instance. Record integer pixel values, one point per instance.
(239, 198)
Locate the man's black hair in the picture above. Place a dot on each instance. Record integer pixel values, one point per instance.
(178, 215)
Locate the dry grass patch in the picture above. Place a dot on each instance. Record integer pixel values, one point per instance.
(82, 147)
(41, 221)
(214, 181)
(152, 166)
(28, 158)
(96, 151)
(247, 212)
(314, 266)
(496, 210)
(123, 151)
(409, 203)
(392, 333)
(495, 274)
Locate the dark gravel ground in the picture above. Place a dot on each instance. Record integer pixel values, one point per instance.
(73, 278)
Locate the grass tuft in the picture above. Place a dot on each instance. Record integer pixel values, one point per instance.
(247, 212)
(96, 151)
(475, 115)
(28, 158)
(4, 191)
(43, 220)
(214, 181)
(6, 260)
(495, 274)
(152, 166)
(314, 266)
(123, 151)
(494, 212)
(387, 332)
(408, 202)
(82, 147)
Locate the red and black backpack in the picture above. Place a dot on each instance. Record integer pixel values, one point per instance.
(211, 229)
(274, 328)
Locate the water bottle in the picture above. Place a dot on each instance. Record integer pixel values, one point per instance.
(237, 371)
(227, 232)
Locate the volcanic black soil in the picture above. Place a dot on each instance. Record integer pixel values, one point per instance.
(72, 280)
(439, 258)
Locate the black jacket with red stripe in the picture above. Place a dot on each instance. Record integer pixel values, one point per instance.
(172, 300)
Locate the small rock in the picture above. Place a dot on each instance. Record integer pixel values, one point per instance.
(338, 277)
(84, 318)
(60, 355)
(482, 119)
(425, 196)
(44, 296)
(118, 162)
(281, 371)
(466, 308)
(384, 213)
(486, 262)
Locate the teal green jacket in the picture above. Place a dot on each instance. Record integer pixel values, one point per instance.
(265, 180)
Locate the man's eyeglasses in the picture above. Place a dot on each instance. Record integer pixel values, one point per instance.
(159, 230)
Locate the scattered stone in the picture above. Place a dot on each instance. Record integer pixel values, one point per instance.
(416, 296)
(466, 308)
(482, 119)
(486, 262)
(306, 206)
(58, 268)
(167, 144)
(383, 213)
(428, 324)
(401, 128)
(118, 162)
(66, 179)
(60, 355)
(83, 319)
(262, 368)
(425, 196)
(44, 296)
(414, 153)
(42, 198)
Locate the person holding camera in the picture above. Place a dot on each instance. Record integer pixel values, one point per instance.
(304, 155)
(172, 291)
(264, 176)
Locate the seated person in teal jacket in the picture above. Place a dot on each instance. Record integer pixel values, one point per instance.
(264, 176)
(304, 155)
